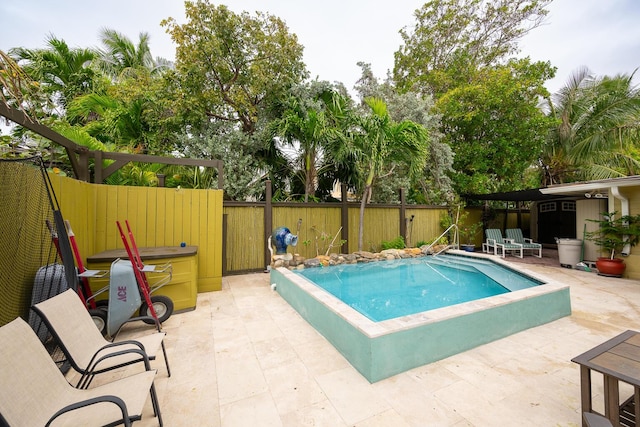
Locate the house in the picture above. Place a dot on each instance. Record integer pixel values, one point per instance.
(592, 198)
(563, 211)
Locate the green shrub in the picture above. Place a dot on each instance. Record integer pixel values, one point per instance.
(397, 243)
(421, 243)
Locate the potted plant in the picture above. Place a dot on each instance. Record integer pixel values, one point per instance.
(466, 232)
(613, 235)
(468, 236)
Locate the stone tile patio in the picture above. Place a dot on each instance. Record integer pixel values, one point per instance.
(244, 357)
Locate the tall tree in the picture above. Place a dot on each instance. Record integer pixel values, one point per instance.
(377, 142)
(244, 170)
(433, 186)
(308, 125)
(495, 127)
(18, 90)
(460, 51)
(453, 37)
(64, 73)
(227, 64)
(598, 120)
(119, 53)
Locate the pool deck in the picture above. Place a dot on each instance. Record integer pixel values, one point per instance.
(244, 357)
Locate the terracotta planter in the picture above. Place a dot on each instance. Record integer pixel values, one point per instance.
(610, 267)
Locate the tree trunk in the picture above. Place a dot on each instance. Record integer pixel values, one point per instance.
(363, 203)
(309, 177)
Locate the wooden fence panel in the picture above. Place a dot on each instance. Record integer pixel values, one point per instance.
(425, 226)
(157, 216)
(245, 238)
(318, 226)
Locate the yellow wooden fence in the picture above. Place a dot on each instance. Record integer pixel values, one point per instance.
(157, 216)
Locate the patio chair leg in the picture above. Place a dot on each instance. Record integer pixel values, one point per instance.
(154, 403)
(166, 361)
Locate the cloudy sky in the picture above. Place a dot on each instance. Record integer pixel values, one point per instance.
(603, 35)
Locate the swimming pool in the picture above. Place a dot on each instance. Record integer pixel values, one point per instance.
(407, 286)
(385, 348)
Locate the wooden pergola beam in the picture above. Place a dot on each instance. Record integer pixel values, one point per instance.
(80, 172)
(79, 156)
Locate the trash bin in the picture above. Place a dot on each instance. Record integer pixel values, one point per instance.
(569, 252)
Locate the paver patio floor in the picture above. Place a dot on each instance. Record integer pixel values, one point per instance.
(244, 357)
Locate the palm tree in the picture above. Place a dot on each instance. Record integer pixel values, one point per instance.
(63, 72)
(377, 143)
(112, 120)
(311, 125)
(18, 90)
(598, 122)
(304, 129)
(120, 54)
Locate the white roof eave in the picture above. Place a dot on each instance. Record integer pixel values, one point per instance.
(592, 185)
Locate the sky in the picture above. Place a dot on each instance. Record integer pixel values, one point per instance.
(603, 35)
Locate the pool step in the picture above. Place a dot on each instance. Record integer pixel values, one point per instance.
(506, 277)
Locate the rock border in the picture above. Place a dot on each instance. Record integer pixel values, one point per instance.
(298, 262)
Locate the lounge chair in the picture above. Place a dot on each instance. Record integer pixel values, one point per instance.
(87, 351)
(499, 244)
(515, 234)
(33, 391)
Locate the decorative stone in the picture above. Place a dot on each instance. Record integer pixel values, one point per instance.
(413, 251)
(366, 255)
(312, 262)
(283, 257)
(351, 258)
(324, 260)
(296, 260)
(391, 252)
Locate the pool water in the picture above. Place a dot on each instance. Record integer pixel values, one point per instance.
(382, 291)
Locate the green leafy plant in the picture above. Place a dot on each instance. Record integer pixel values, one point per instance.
(421, 243)
(323, 241)
(468, 232)
(615, 232)
(397, 243)
(457, 215)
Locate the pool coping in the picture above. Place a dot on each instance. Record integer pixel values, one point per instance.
(363, 342)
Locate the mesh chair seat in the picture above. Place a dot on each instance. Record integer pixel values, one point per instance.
(33, 391)
(88, 352)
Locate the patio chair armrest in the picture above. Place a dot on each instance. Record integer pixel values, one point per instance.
(491, 242)
(96, 400)
(120, 343)
(95, 360)
(510, 241)
(528, 240)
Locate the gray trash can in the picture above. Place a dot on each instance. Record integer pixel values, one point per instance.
(569, 252)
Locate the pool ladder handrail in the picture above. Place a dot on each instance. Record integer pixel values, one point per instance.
(456, 240)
